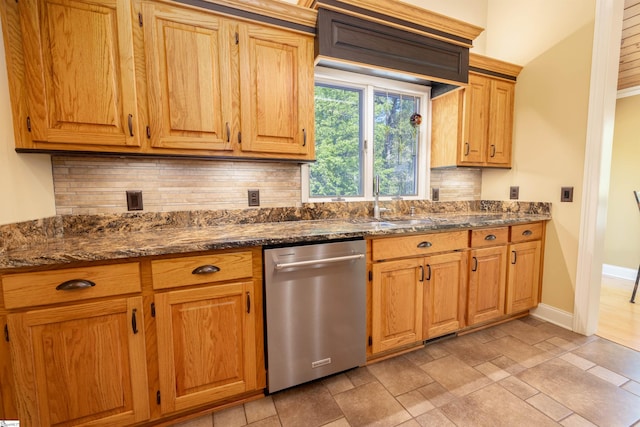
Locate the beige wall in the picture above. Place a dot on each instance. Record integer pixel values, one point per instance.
(552, 96)
(26, 184)
(622, 244)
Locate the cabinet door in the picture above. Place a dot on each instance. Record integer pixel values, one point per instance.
(487, 281)
(476, 120)
(206, 344)
(396, 304)
(81, 364)
(444, 293)
(524, 276)
(276, 86)
(500, 123)
(189, 78)
(80, 71)
(8, 409)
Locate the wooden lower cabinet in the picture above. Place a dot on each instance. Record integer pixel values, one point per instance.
(82, 364)
(487, 281)
(206, 344)
(444, 294)
(396, 317)
(524, 276)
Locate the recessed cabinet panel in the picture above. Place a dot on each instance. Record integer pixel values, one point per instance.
(78, 57)
(188, 73)
(524, 276)
(487, 281)
(276, 86)
(500, 131)
(81, 364)
(476, 120)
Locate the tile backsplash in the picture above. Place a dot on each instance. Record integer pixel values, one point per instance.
(95, 185)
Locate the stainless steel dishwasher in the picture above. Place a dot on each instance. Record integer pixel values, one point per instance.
(315, 311)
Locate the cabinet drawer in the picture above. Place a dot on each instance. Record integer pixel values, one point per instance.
(399, 247)
(196, 270)
(69, 284)
(489, 237)
(526, 232)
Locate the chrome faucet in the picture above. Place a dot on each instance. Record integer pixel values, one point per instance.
(376, 193)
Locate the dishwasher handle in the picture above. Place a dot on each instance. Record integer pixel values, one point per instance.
(280, 266)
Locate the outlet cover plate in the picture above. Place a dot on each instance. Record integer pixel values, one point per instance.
(134, 201)
(514, 192)
(435, 194)
(254, 197)
(566, 194)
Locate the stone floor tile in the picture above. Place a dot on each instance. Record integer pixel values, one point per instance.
(592, 398)
(455, 375)
(436, 350)
(608, 375)
(231, 417)
(306, 405)
(266, 422)
(415, 403)
(470, 350)
(511, 366)
(434, 418)
(616, 358)
(410, 423)
(525, 333)
(563, 344)
(370, 405)
(566, 334)
(257, 410)
(419, 357)
(342, 422)
(492, 371)
(494, 406)
(518, 387)
(399, 375)
(360, 376)
(338, 383)
(550, 348)
(577, 361)
(436, 394)
(576, 420)
(517, 350)
(532, 321)
(549, 407)
(632, 387)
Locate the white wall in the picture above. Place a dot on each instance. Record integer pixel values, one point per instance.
(26, 183)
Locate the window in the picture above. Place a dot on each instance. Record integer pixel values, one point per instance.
(366, 127)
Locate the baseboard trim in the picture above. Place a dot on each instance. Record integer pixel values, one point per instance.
(619, 272)
(553, 315)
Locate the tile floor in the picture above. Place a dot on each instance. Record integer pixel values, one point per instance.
(522, 373)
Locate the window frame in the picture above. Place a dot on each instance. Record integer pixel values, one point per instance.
(369, 85)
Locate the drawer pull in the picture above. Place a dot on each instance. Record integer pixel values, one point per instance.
(425, 244)
(134, 321)
(428, 271)
(527, 233)
(73, 284)
(205, 269)
(490, 237)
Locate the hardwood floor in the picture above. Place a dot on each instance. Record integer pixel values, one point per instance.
(619, 320)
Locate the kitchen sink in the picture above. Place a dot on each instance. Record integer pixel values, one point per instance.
(415, 221)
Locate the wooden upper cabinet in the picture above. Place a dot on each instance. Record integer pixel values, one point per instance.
(190, 80)
(476, 120)
(500, 130)
(82, 364)
(276, 86)
(80, 78)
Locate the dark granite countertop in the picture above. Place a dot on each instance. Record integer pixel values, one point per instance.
(119, 240)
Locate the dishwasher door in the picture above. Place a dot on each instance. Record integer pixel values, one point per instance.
(315, 311)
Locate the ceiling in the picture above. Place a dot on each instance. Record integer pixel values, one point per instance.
(629, 73)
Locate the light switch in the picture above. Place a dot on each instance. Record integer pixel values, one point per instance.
(566, 194)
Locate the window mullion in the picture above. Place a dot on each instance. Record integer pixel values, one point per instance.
(368, 135)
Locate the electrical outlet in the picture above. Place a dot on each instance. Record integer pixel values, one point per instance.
(435, 194)
(254, 197)
(566, 194)
(514, 192)
(134, 200)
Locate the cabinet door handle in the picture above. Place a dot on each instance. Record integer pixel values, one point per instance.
(425, 244)
(74, 284)
(428, 271)
(130, 123)
(248, 303)
(514, 257)
(527, 233)
(134, 321)
(228, 133)
(304, 137)
(467, 148)
(421, 273)
(205, 269)
(490, 237)
(493, 150)
(475, 264)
